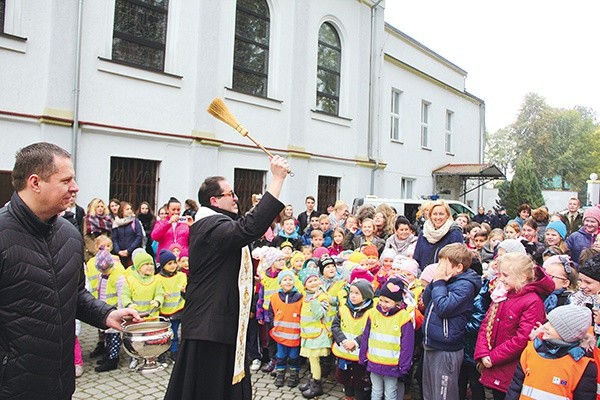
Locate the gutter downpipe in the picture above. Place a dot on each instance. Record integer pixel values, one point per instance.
(76, 88)
(372, 99)
(481, 148)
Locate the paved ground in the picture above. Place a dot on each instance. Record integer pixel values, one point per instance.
(123, 383)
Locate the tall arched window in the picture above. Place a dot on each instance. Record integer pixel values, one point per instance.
(251, 54)
(329, 70)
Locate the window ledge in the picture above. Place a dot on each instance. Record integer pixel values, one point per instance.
(397, 141)
(161, 78)
(332, 119)
(13, 43)
(450, 154)
(265, 102)
(426, 148)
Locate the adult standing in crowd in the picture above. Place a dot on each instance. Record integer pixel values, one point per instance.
(147, 219)
(339, 214)
(585, 237)
(211, 363)
(305, 216)
(173, 228)
(574, 218)
(97, 222)
(43, 285)
(499, 219)
(438, 231)
(523, 212)
(113, 208)
(128, 233)
(481, 216)
(75, 214)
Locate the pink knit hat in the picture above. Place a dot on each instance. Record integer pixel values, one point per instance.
(427, 274)
(592, 212)
(359, 273)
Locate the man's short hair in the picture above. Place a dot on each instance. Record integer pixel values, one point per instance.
(457, 253)
(37, 158)
(316, 233)
(211, 187)
(309, 198)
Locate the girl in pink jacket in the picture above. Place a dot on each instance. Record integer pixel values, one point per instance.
(172, 229)
(517, 306)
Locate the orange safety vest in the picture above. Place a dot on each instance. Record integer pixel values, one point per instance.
(286, 321)
(597, 360)
(550, 378)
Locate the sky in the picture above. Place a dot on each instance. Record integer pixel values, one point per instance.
(510, 48)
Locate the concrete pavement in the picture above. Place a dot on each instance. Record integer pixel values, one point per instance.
(123, 383)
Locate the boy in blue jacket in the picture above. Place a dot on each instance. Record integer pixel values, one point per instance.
(449, 302)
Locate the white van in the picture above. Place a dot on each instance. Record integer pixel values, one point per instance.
(409, 207)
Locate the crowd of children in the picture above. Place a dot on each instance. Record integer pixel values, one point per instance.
(500, 313)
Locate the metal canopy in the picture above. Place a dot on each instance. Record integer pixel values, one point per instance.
(489, 171)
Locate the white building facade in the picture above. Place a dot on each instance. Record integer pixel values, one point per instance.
(355, 105)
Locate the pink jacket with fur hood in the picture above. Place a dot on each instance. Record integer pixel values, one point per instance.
(515, 318)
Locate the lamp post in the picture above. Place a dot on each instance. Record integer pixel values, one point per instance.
(593, 190)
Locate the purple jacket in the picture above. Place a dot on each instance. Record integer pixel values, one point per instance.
(407, 345)
(515, 318)
(578, 241)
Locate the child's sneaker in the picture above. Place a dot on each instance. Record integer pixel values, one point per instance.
(255, 366)
(78, 370)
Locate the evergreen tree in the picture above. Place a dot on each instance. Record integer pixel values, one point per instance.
(524, 187)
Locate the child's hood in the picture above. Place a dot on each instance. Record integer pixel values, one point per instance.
(542, 284)
(290, 297)
(469, 276)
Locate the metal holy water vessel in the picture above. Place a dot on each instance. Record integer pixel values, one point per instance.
(148, 340)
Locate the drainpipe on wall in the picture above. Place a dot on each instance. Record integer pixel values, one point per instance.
(76, 87)
(481, 147)
(372, 79)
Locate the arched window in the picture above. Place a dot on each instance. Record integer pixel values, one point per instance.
(251, 49)
(329, 62)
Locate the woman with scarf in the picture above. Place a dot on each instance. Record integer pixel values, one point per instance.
(97, 222)
(127, 233)
(147, 219)
(438, 231)
(403, 238)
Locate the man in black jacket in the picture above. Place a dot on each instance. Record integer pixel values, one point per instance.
(43, 284)
(211, 363)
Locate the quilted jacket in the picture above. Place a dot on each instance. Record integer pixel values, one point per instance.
(41, 293)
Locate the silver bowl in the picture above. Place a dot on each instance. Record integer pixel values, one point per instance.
(148, 340)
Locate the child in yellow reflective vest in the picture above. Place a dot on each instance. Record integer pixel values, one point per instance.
(173, 282)
(387, 342)
(315, 335)
(554, 365)
(143, 291)
(111, 281)
(284, 312)
(347, 329)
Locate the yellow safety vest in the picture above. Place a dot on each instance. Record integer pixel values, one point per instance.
(351, 327)
(142, 294)
(112, 298)
(92, 273)
(334, 291)
(310, 327)
(271, 285)
(174, 302)
(385, 337)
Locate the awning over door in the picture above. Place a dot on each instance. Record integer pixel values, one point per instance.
(469, 171)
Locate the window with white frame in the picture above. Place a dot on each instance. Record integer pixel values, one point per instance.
(395, 127)
(425, 123)
(329, 69)
(251, 55)
(449, 142)
(140, 33)
(406, 188)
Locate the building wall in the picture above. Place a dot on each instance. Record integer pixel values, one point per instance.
(131, 112)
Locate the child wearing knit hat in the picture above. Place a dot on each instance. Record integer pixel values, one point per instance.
(284, 311)
(347, 328)
(296, 261)
(174, 283)
(589, 283)
(315, 338)
(111, 280)
(554, 365)
(388, 341)
(272, 263)
(562, 271)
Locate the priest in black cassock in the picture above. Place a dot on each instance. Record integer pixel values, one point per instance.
(211, 362)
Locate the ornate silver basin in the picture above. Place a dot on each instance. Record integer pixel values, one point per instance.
(147, 340)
